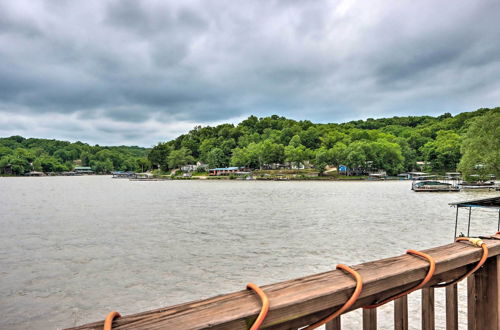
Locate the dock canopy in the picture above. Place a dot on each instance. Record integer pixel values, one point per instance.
(492, 202)
(489, 203)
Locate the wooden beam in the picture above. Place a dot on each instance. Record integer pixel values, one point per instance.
(471, 303)
(335, 324)
(301, 301)
(428, 309)
(370, 319)
(483, 297)
(452, 307)
(401, 313)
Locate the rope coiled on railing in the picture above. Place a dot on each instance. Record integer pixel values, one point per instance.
(265, 303)
(108, 323)
(348, 303)
(427, 278)
(476, 242)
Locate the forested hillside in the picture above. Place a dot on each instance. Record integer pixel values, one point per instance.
(22, 155)
(390, 144)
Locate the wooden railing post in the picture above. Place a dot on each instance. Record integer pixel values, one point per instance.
(451, 307)
(333, 324)
(428, 309)
(370, 319)
(401, 313)
(482, 297)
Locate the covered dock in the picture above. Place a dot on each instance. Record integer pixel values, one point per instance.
(223, 170)
(492, 203)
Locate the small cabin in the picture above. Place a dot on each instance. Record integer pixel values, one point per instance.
(189, 168)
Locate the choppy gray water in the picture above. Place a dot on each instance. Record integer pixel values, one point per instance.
(74, 248)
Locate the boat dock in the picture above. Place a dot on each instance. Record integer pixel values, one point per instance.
(302, 301)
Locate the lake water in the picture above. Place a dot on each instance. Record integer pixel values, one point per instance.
(74, 248)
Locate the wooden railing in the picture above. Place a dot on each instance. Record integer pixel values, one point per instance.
(300, 302)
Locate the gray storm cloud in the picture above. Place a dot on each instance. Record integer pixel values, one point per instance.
(137, 72)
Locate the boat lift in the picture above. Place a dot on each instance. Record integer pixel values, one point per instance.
(489, 203)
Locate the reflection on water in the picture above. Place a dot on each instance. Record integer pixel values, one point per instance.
(74, 248)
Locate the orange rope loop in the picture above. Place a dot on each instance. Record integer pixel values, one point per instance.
(476, 242)
(349, 303)
(108, 323)
(427, 278)
(265, 305)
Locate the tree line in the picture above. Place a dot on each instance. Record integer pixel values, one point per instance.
(390, 144)
(19, 155)
(469, 142)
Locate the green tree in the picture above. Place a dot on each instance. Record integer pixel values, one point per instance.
(102, 167)
(481, 146)
(159, 154)
(338, 154)
(179, 158)
(143, 164)
(216, 158)
(46, 164)
(323, 157)
(444, 151)
(355, 155)
(4, 151)
(240, 157)
(295, 141)
(17, 165)
(297, 155)
(205, 147)
(271, 152)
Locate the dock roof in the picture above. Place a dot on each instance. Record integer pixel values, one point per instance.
(491, 202)
(224, 169)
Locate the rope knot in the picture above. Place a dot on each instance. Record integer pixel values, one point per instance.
(476, 241)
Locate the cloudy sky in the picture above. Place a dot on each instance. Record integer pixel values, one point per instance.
(138, 72)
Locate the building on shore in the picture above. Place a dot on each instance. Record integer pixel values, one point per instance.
(35, 173)
(123, 175)
(414, 175)
(83, 170)
(199, 166)
(223, 171)
(380, 175)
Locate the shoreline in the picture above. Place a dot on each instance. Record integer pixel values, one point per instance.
(207, 178)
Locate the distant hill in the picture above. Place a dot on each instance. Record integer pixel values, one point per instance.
(19, 155)
(390, 144)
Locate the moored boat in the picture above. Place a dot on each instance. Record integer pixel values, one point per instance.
(434, 186)
(478, 185)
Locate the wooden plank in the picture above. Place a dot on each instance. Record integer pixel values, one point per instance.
(335, 324)
(483, 297)
(401, 313)
(428, 309)
(370, 319)
(452, 307)
(471, 303)
(301, 301)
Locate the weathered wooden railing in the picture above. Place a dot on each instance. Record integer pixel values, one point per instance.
(299, 302)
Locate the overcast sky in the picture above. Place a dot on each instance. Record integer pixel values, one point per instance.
(139, 72)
